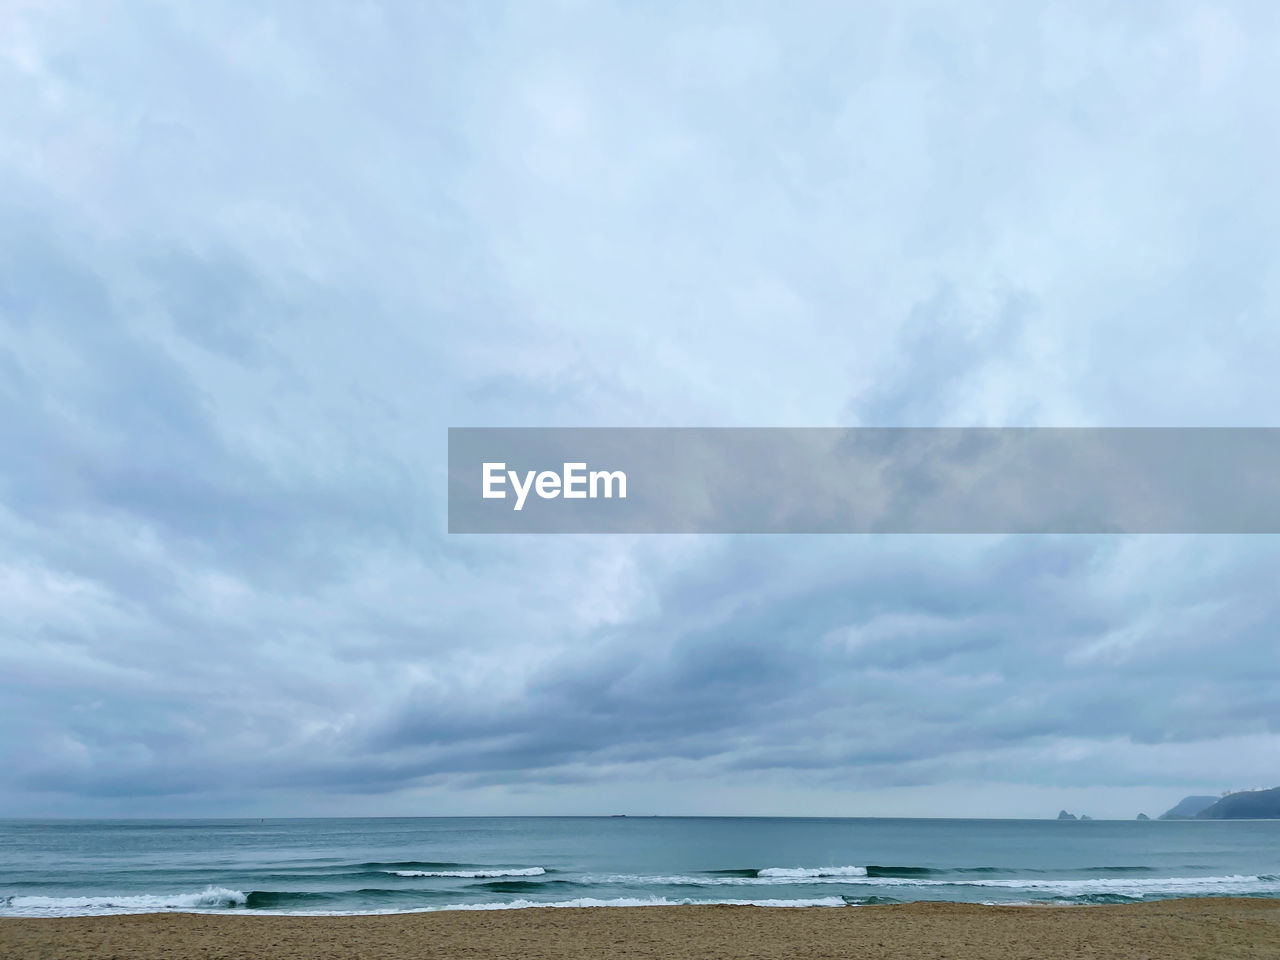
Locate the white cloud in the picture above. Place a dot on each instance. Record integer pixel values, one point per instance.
(253, 264)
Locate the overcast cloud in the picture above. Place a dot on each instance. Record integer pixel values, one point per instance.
(256, 258)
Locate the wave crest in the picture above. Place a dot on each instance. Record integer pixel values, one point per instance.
(473, 874)
(210, 897)
(803, 872)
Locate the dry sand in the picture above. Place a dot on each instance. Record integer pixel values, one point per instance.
(1210, 929)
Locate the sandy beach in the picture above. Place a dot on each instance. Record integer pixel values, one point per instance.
(1211, 929)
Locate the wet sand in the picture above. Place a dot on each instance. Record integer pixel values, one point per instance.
(1211, 929)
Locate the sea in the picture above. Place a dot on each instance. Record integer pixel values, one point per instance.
(393, 865)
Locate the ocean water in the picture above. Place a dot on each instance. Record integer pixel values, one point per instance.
(66, 868)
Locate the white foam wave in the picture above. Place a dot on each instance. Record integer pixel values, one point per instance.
(472, 874)
(209, 898)
(220, 898)
(580, 902)
(633, 879)
(1126, 886)
(1122, 885)
(808, 872)
(643, 902)
(1136, 887)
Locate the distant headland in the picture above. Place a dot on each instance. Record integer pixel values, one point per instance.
(1241, 805)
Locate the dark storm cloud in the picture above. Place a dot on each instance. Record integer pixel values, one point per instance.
(838, 677)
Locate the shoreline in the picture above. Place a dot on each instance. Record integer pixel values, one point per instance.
(1226, 927)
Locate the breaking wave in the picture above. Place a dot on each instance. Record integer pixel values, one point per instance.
(805, 873)
(509, 888)
(473, 874)
(209, 898)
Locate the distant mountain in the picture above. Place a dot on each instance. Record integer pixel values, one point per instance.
(1188, 807)
(1143, 816)
(1246, 805)
(1063, 815)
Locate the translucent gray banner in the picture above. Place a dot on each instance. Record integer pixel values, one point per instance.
(864, 480)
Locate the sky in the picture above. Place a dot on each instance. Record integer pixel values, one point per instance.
(256, 258)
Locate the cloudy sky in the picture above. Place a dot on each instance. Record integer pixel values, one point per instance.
(256, 258)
